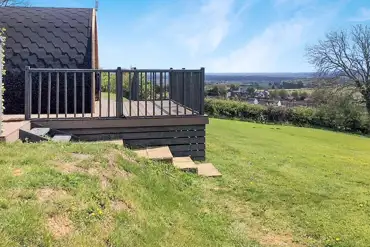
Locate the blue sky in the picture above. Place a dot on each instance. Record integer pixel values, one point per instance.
(220, 35)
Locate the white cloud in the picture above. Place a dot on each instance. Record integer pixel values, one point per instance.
(362, 15)
(202, 31)
(262, 52)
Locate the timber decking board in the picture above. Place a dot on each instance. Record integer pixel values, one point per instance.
(126, 111)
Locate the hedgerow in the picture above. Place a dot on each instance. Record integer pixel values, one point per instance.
(350, 118)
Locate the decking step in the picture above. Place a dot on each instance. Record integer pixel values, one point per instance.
(61, 138)
(185, 164)
(158, 154)
(40, 131)
(208, 170)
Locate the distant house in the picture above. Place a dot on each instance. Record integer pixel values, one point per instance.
(48, 38)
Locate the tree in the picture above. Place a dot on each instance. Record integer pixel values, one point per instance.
(8, 3)
(345, 53)
(234, 87)
(295, 95)
(251, 91)
(283, 93)
(303, 95)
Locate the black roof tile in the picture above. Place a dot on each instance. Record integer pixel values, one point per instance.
(43, 38)
(49, 34)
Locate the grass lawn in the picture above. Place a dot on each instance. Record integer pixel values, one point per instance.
(281, 186)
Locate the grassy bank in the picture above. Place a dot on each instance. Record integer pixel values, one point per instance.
(281, 186)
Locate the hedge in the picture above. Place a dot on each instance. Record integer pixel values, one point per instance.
(350, 119)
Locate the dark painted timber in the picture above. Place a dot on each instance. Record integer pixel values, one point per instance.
(185, 136)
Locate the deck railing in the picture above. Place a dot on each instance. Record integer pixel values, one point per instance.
(102, 93)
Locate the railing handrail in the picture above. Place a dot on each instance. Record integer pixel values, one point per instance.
(111, 70)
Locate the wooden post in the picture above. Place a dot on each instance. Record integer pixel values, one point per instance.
(1, 83)
(27, 94)
(202, 79)
(119, 93)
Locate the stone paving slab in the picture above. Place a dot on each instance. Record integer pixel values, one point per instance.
(208, 170)
(159, 154)
(185, 164)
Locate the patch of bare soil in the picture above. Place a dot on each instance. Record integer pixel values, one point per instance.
(69, 168)
(274, 239)
(104, 182)
(119, 205)
(48, 194)
(17, 172)
(60, 226)
(114, 154)
(81, 156)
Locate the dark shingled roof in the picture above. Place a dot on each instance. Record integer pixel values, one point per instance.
(43, 38)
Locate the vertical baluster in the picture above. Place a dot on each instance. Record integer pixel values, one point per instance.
(74, 95)
(49, 94)
(137, 85)
(39, 96)
(30, 94)
(146, 93)
(184, 90)
(57, 97)
(130, 92)
(153, 91)
(170, 85)
(108, 94)
(83, 94)
(99, 84)
(177, 93)
(191, 86)
(92, 107)
(65, 95)
(161, 90)
(165, 86)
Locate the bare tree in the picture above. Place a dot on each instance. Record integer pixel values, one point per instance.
(8, 3)
(345, 53)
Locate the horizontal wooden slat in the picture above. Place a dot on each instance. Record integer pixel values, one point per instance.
(162, 135)
(162, 142)
(85, 131)
(187, 147)
(189, 153)
(122, 122)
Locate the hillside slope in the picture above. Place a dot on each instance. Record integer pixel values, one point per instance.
(281, 186)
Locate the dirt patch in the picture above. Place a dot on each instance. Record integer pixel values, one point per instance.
(17, 172)
(273, 239)
(48, 194)
(69, 168)
(93, 171)
(60, 226)
(81, 156)
(114, 154)
(104, 182)
(118, 205)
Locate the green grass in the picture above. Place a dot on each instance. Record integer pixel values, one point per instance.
(280, 185)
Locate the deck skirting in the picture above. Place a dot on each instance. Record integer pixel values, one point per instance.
(184, 135)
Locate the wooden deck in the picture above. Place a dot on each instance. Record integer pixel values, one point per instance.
(106, 109)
